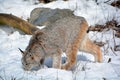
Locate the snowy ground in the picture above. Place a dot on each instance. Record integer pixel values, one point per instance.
(85, 68)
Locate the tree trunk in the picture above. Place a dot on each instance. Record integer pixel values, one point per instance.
(13, 21)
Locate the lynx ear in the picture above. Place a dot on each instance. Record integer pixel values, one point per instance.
(21, 51)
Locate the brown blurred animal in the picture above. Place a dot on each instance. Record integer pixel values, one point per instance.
(65, 35)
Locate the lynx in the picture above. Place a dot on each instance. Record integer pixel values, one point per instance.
(65, 35)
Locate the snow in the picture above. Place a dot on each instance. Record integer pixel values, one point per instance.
(85, 68)
(102, 69)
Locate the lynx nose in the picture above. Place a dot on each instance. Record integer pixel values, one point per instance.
(26, 68)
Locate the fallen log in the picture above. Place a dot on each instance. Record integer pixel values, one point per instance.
(13, 21)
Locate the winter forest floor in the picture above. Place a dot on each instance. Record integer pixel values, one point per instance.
(104, 34)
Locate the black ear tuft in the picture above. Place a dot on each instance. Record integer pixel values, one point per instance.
(21, 51)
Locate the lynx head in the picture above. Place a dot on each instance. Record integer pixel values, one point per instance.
(34, 55)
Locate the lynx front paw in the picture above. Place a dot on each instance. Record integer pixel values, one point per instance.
(65, 66)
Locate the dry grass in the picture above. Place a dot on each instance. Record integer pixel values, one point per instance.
(116, 3)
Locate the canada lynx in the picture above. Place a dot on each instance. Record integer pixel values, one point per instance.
(65, 35)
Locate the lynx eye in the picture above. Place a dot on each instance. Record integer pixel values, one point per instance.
(32, 58)
(30, 55)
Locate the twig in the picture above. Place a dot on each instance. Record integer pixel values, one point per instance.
(113, 51)
(57, 75)
(4, 75)
(109, 60)
(13, 78)
(114, 39)
(117, 48)
(107, 1)
(1, 78)
(106, 48)
(85, 70)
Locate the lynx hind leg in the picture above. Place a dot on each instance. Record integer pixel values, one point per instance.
(57, 59)
(89, 47)
(71, 58)
(71, 52)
